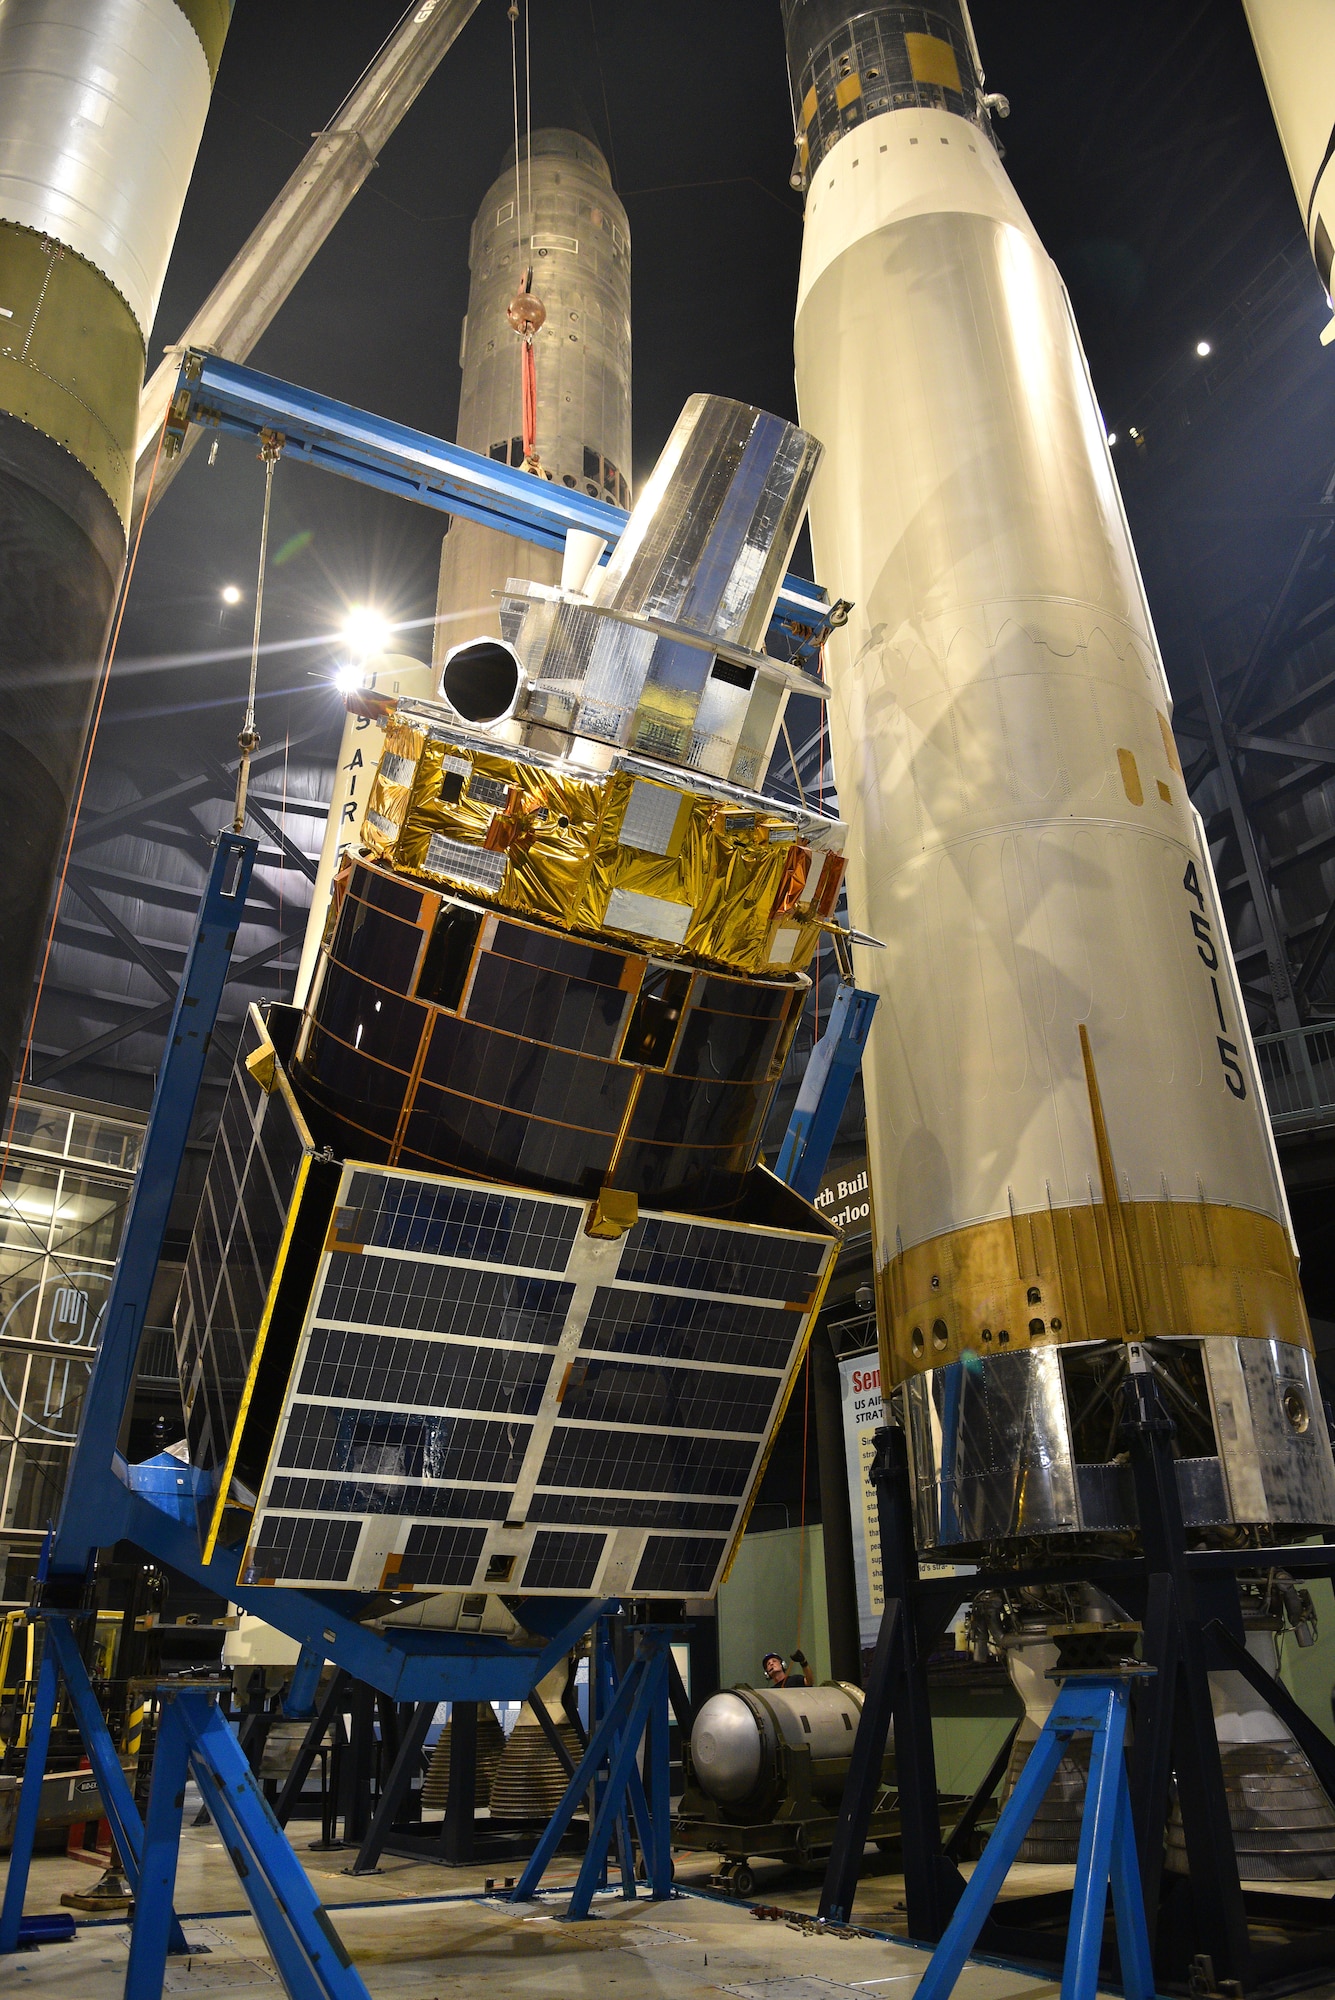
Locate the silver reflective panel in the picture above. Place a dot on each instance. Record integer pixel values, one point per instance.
(701, 560)
(101, 106)
(1271, 1427)
(990, 1450)
(1002, 1447)
(709, 539)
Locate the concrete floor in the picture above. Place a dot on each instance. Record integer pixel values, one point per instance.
(431, 1950)
(457, 1937)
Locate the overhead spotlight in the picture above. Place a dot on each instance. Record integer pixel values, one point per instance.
(1112, 437)
(231, 594)
(365, 630)
(1203, 348)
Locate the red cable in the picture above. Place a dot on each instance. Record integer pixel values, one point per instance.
(529, 377)
(802, 1516)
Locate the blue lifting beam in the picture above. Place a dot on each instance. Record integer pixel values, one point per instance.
(1093, 1704)
(824, 1089)
(360, 445)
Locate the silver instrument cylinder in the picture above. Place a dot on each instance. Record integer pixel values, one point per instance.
(735, 1744)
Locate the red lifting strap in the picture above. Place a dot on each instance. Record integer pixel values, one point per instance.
(530, 382)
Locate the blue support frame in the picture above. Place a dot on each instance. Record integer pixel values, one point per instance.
(84, 1522)
(108, 1501)
(639, 1703)
(1094, 1705)
(824, 1089)
(61, 1661)
(416, 466)
(299, 1700)
(306, 1949)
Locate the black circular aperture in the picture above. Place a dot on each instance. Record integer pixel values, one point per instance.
(481, 679)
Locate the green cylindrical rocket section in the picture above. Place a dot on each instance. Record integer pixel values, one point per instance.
(102, 103)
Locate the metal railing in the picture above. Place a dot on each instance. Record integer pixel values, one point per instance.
(1298, 1072)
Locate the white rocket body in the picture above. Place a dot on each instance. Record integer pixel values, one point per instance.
(1021, 839)
(1295, 46)
(359, 749)
(997, 676)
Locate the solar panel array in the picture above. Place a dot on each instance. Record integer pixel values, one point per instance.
(481, 1394)
(248, 1193)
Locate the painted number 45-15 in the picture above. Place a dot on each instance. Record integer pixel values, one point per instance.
(1209, 956)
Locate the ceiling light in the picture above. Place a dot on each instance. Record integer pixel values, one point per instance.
(348, 679)
(1134, 432)
(1112, 437)
(1203, 348)
(231, 594)
(365, 630)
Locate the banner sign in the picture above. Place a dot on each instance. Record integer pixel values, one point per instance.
(863, 1413)
(844, 1198)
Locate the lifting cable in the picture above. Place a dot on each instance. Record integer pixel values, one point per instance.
(104, 679)
(525, 312)
(248, 741)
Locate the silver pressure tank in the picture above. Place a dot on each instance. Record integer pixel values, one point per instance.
(735, 1743)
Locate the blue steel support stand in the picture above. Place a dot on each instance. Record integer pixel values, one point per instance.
(638, 1705)
(299, 1700)
(86, 1520)
(824, 1089)
(83, 1517)
(61, 1661)
(153, 1506)
(194, 1739)
(1088, 1704)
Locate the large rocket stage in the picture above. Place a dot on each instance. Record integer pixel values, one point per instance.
(1070, 1154)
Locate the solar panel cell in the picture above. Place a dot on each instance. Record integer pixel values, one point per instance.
(421, 1297)
(692, 1256)
(686, 1399)
(563, 1562)
(290, 1546)
(386, 1212)
(681, 1329)
(424, 1374)
(321, 1439)
(440, 1556)
(680, 1562)
(646, 1462)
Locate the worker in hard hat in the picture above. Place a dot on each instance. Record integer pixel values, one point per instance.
(778, 1676)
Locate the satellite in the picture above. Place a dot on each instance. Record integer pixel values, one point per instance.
(489, 1294)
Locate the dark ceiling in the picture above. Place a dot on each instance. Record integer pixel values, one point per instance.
(1140, 139)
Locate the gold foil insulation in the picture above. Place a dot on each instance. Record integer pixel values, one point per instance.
(1051, 1277)
(670, 868)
